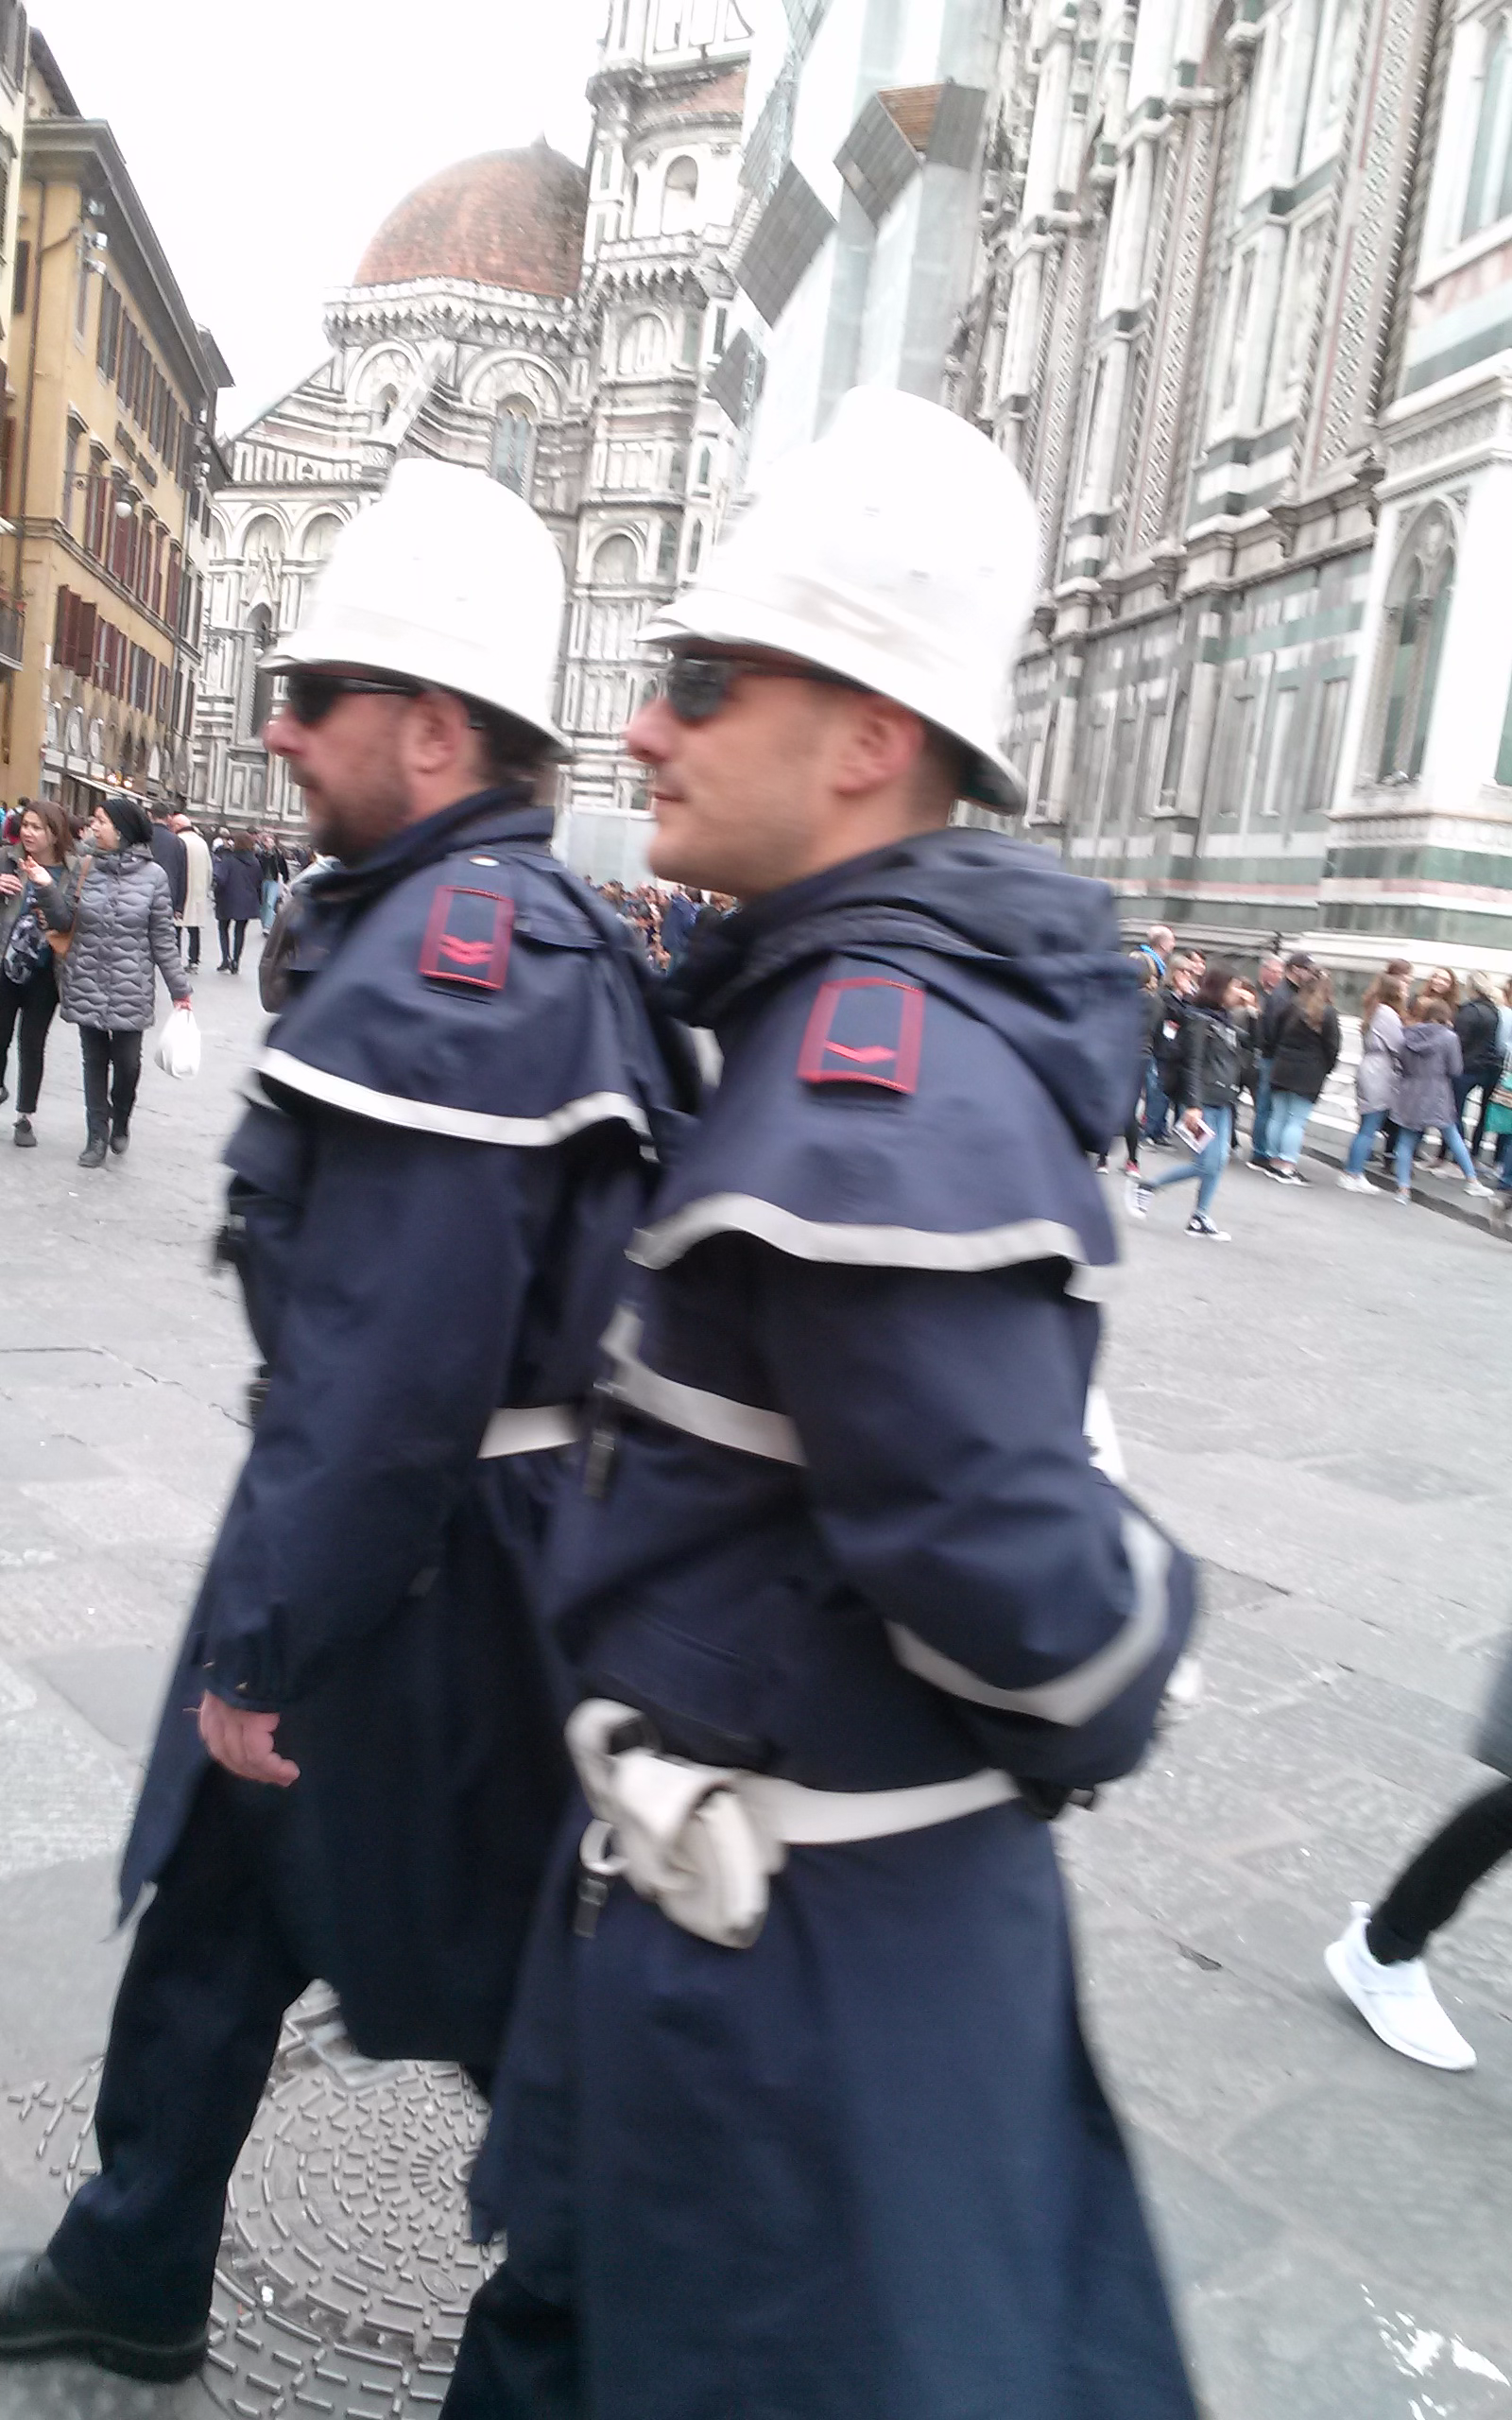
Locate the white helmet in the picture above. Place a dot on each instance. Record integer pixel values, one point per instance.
(901, 550)
(449, 579)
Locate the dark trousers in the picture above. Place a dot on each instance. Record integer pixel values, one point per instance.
(232, 934)
(1430, 1889)
(518, 2359)
(193, 931)
(113, 1070)
(192, 2036)
(35, 1004)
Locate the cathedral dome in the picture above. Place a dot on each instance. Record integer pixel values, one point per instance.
(511, 218)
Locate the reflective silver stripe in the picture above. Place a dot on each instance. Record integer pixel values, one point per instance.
(1074, 1697)
(1023, 1240)
(534, 1429)
(433, 1117)
(1104, 1450)
(802, 1818)
(715, 1418)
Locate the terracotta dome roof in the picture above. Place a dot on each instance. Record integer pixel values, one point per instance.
(512, 218)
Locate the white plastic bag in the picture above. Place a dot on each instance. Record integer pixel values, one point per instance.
(178, 1045)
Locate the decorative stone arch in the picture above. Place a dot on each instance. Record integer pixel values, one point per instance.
(499, 376)
(220, 545)
(645, 345)
(616, 560)
(1409, 650)
(263, 535)
(381, 378)
(680, 180)
(319, 534)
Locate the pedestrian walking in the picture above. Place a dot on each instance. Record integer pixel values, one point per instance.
(680, 913)
(1270, 972)
(237, 879)
(1149, 1007)
(1282, 997)
(39, 876)
(171, 855)
(796, 2115)
(1304, 1052)
(120, 922)
(1477, 1029)
(274, 868)
(1375, 1078)
(429, 1203)
(1208, 1078)
(1423, 1095)
(1378, 1960)
(1183, 977)
(198, 890)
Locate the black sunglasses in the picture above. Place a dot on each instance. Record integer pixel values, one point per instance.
(309, 694)
(695, 686)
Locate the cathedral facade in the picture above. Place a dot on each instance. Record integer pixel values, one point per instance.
(554, 325)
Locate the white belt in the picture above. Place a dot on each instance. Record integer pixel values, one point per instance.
(701, 1841)
(534, 1430)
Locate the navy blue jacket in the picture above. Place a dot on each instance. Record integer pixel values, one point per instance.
(237, 880)
(451, 1140)
(840, 1523)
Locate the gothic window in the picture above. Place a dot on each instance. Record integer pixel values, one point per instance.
(679, 197)
(705, 465)
(321, 537)
(1422, 593)
(694, 547)
(666, 551)
(721, 322)
(1489, 196)
(514, 445)
(616, 565)
(642, 347)
(260, 634)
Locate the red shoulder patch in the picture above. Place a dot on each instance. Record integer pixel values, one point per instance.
(467, 939)
(864, 1029)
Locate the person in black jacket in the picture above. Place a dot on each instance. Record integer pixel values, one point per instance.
(1206, 1081)
(173, 859)
(1280, 999)
(1306, 1050)
(238, 882)
(1476, 1026)
(1184, 973)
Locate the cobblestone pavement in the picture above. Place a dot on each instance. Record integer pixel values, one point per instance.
(1317, 1408)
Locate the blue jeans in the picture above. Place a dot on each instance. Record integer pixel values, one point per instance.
(1207, 1164)
(1260, 1132)
(1372, 1121)
(1157, 1107)
(1408, 1140)
(1289, 1114)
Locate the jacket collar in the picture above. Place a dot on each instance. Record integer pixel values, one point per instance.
(507, 812)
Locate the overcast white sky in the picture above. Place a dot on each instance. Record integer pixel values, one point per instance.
(268, 142)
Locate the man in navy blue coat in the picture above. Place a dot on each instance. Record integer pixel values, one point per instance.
(797, 2118)
(359, 1768)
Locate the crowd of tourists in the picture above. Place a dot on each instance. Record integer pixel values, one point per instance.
(664, 919)
(1429, 1048)
(92, 908)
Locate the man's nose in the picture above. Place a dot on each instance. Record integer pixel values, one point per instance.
(650, 734)
(278, 733)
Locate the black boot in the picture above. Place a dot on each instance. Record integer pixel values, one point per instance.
(120, 1136)
(93, 1154)
(40, 2317)
(25, 1139)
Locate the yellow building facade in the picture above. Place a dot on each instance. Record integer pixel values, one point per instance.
(109, 445)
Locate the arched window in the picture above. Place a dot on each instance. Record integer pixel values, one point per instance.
(694, 546)
(666, 551)
(514, 445)
(260, 631)
(1489, 197)
(321, 537)
(264, 542)
(616, 565)
(1422, 591)
(642, 347)
(705, 466)
(679, 197)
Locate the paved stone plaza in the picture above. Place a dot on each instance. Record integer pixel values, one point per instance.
(1317, 1408)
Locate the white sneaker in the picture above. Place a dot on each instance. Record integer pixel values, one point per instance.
(1476, 1191)
(1354, 1185)
(1136, 1197)
(1397, 2002)
(1200, 1224)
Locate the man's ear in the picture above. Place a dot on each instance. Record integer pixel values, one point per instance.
(882, 743)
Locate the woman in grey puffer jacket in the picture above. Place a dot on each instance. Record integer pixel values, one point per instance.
(1423, 1094)
(122, 923)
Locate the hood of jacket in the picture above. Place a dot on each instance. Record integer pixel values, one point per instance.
(1422, 1045)
(990, 924)
(119, 861)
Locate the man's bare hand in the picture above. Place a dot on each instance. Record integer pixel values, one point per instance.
(243, 1743)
